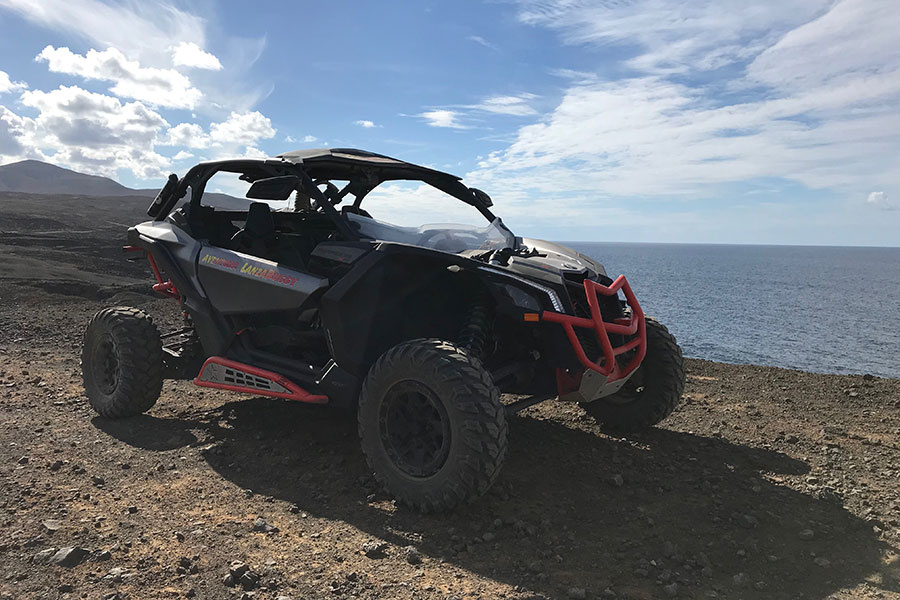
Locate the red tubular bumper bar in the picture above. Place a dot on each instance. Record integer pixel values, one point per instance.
(627, 327)
(165, 288)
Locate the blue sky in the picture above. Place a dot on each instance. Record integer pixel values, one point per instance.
(694, 121)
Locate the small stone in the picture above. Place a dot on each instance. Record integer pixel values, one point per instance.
(51, 525)
(791, 439)
(822, 562)
(578, 593)
(23, 460)
(117, 574)
(56, 465)
(179, 536)
(43, 556)
(237, 569)
(102, 555)
(228, 580)
(294, 509)
(184, 562)
(262, 526)
(413, 556)
(97, 480)
(69, 557)
(249, 580)
(488, 537)
(132, 510)
(374, 549)
(739, 579)
(65, 588)
(671, 590)
(806, 534)
(617, 480)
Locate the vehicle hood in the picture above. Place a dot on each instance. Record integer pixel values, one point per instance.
(553, 261)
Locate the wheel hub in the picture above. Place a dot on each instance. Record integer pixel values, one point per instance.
(415, 429)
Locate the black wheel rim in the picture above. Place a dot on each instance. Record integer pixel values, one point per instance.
(106, 365)
(415, 429)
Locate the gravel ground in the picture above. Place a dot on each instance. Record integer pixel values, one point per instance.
(766, 483)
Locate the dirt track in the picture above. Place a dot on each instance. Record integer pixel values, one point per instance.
(766, 484)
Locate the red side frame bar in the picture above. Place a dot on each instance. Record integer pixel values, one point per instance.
(632, 326)
(296, 392)
(166, 288)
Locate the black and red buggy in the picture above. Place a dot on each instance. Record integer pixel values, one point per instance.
(300, 293)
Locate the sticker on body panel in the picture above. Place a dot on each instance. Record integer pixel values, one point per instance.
(224, 260)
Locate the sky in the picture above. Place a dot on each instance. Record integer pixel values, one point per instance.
(710, 121)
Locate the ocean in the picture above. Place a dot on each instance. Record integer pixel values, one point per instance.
(814, 308)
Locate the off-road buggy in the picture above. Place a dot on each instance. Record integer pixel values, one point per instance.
(418, 329)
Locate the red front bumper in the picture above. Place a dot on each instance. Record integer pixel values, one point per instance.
(607, 364)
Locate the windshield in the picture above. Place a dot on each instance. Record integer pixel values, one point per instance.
(439, 236)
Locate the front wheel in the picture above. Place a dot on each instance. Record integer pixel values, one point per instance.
(122, 362)
(432, 426)
(653, 390)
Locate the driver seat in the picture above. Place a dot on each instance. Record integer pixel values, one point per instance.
(258, 235)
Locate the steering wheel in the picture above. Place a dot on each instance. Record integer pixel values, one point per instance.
(330, 192)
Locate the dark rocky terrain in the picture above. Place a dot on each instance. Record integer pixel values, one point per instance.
(766, 483)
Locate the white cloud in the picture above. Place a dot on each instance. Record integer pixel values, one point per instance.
(507, 105)
(13, 129)
(307, 139)
(191, 135)
(87, 131)
(9, 86)
(244, 128)
(254, 152)
(147, 29)
(881, 201)
(162, 87)
(182, 155)
(674, 36)
(817, 104)
(189, 54)
(442, 118)
(482, 42)
(364, 124)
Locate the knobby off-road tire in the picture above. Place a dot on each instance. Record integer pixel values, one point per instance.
(122, 362)
(652, 392)
(432, 426)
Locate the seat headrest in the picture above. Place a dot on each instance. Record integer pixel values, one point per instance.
(260, 222)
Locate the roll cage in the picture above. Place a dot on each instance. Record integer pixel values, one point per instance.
(363, 171)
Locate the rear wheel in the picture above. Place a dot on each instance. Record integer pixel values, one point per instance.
(432, 426)
(652, 392)
(122, 362)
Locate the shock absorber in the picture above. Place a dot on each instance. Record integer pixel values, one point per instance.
(475, 334)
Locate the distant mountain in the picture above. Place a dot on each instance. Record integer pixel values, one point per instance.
(36, 177)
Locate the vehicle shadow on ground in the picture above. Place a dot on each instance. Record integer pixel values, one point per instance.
(700, 512)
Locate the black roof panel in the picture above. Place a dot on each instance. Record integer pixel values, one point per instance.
(348, 156)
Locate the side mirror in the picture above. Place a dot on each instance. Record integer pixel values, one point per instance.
(273, 188)
(482, 197)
